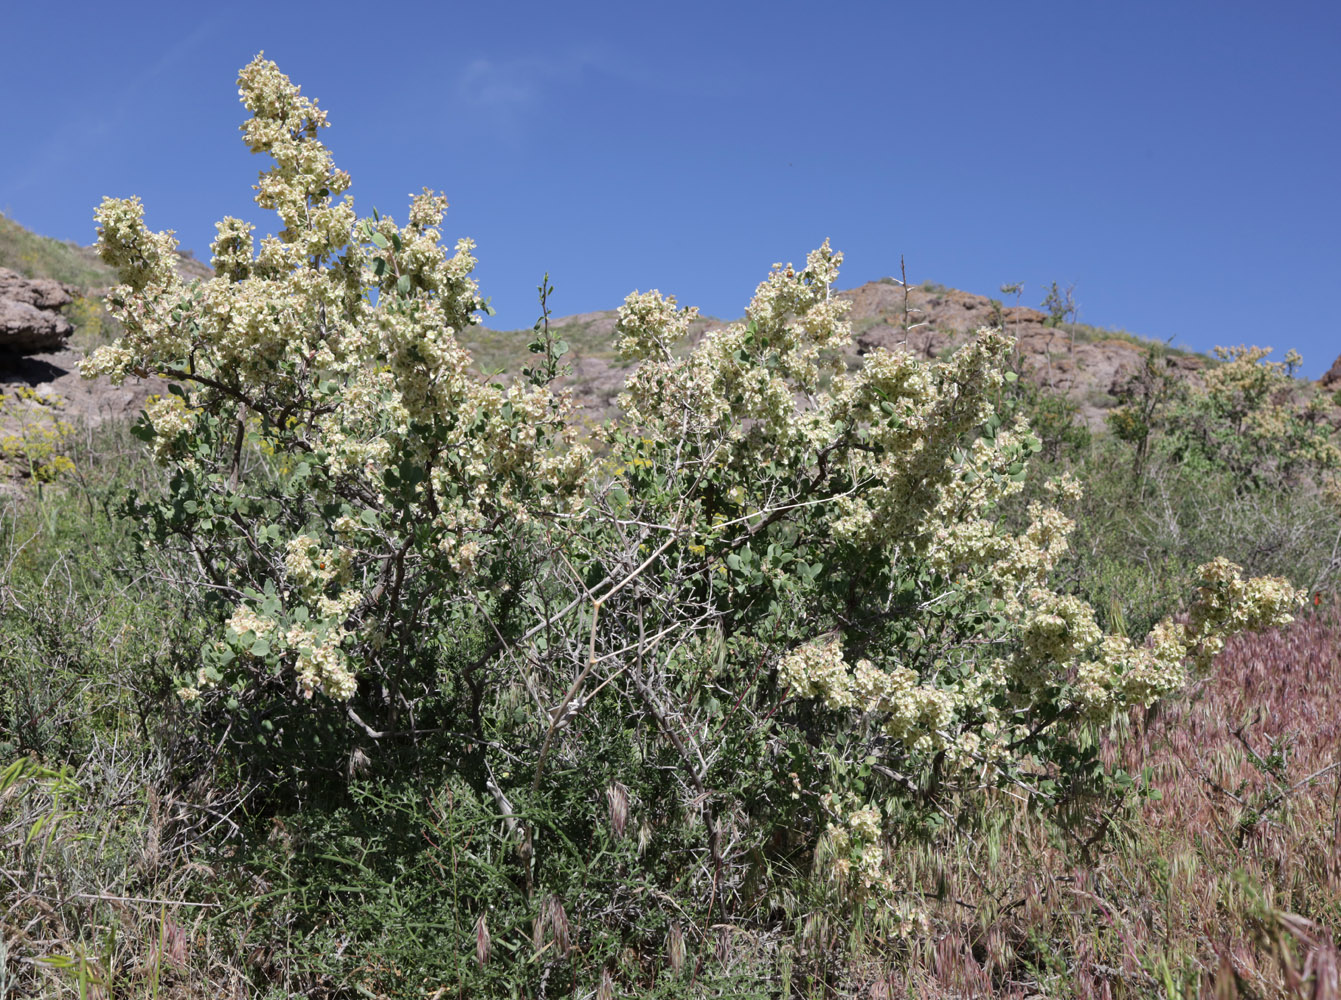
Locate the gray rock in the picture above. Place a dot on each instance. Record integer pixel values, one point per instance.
(30, 317)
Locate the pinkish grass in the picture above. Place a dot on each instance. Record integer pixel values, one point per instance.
(1225, 881)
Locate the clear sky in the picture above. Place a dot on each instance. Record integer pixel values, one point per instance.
(1177, 161)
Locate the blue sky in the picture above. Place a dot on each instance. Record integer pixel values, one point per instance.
(1176, 161)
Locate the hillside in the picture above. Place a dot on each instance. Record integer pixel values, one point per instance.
(1086, 363)
(35, 256)
(41, 393)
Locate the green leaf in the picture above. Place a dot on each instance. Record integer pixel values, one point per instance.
(403, 284)
(380, 240)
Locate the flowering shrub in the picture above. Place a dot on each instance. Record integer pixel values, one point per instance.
(33, 438)
(1248, 418)
(1240, 459)
(766, 563)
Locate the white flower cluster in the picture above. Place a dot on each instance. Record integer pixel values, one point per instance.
(909, 710)
(337, 339)
(170, 418)
(315, 640)
(746, 375)
(851, 851)
(913, 418)
(245, 619)
(322, 664)
(1227, 604)
(311, 568)
(817, 670)
(649, 326)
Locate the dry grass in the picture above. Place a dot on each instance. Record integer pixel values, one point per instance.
(98, 870)
(1225, 880)
(1250, 771)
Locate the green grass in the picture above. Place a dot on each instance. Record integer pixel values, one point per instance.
(1087, 334)
(42, 257)
(507, 349)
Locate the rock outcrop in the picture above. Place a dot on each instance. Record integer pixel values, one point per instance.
(1333, 375)
(1090, 366)
(30, 318)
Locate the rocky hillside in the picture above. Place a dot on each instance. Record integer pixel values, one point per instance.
(51, 313)
(1088, 364)
(35, 256)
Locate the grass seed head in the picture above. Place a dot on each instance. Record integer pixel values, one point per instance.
(482, 941)
(675, 948)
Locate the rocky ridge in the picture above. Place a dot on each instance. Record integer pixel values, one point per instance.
(1088, 365)
(1332, 377)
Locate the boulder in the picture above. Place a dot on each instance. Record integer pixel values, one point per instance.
(1333, 375)
(30, 318)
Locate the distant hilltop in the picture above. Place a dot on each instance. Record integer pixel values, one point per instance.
(1087, 364)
